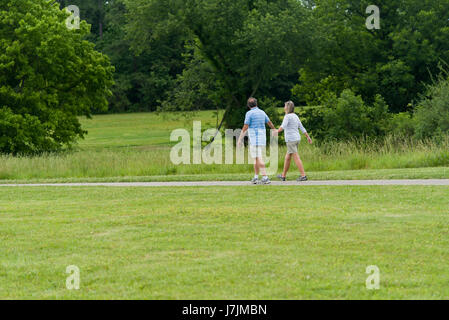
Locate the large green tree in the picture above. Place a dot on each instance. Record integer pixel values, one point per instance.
(143, 77)
(49, 76)
(247, 43)
(92, 11)
(394, 61)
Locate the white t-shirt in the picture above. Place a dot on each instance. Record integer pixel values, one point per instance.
(291, 124)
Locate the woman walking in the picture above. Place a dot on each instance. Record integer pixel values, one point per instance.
(291, 126)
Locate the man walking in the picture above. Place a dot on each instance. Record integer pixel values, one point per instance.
(255, 122)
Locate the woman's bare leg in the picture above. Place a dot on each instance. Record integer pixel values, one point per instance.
(288, 159)
(299, 164)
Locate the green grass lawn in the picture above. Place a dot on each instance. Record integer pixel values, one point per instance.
(225, 242)
(139, 129)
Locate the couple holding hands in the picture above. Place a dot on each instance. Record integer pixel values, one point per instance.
(255, 122)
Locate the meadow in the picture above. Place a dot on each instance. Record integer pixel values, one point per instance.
(214, 243)
(136, 147)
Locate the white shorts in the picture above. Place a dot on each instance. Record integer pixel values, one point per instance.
(256, 151)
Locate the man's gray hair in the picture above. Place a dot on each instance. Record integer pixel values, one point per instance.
(252, 102)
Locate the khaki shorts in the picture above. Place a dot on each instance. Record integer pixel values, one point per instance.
(292, 147)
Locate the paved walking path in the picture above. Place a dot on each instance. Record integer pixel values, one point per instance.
(428, 182)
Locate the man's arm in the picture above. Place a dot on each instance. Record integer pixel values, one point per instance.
(269, 123)
(242, 134)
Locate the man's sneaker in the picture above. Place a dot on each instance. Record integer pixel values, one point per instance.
(265, 181)
(255, 181)
(280, 177)
(300, 179)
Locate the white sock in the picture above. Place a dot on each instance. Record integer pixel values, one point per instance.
(256, 176)
(265, 177)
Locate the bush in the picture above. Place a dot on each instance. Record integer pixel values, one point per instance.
(402, 125)
(432, 112)
(348, 117)
(313, 120)
(21, 132)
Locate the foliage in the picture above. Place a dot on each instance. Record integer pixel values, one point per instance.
(196, 88)
(49, 75)
(183, 55)
(432, 112)
(394, 61)
(313, 120)
(402, 124)
(247, 43)
(348, 117)
(92, 11)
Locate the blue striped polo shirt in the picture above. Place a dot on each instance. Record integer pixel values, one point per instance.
(256, 119)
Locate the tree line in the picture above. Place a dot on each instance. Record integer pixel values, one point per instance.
(200, 54)
(182, 55)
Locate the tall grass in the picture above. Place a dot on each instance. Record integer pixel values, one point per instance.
(389, 153)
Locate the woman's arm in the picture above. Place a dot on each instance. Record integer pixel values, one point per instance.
(308, 137)
(305, 132)
(283, 125)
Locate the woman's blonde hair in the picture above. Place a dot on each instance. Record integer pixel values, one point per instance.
(290, 106)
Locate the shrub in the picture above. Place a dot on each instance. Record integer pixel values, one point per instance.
(402, 124)
(348, 117)
(313, 120)
(432, 112)
(21, 132)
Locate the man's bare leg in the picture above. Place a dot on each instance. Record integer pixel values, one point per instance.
(261, 165)
(256, 167)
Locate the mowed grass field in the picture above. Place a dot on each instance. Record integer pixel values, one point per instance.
(136, 147)
(225, 243)
(254, 242)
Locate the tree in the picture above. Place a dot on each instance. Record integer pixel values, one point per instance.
(394, 61)
(49, 75)
(248, 43)
(92, 11)
(143, 78)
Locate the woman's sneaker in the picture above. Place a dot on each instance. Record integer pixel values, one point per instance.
(280, 177)
(255, 181)
(301, 179)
